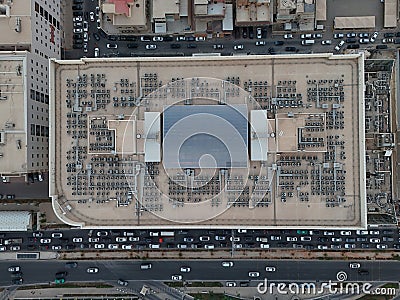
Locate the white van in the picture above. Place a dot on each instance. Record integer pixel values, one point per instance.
(307, 42)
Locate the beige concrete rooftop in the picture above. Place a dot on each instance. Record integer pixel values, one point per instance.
(18, 9)
(109, 190)
(12, 113)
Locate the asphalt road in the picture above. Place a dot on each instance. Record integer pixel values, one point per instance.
(26, 190)
(286, 271)
(286, 239)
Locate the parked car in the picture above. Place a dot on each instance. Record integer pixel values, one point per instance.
(338, 35)
(373, 37)
(238, 47)
(151, 47)
(112, 46)
(326, 42)
(339, 46)
(261, 43)
(288, 36)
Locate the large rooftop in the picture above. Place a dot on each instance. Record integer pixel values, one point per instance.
(305, 141)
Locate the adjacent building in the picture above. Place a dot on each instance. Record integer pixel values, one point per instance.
(31, 34)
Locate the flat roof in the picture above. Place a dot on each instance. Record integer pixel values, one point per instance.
(15, 220)
(22, 10)
(13, 113)
(290, 189)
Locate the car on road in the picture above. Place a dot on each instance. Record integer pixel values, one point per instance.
(354, 265)
(57, 235)
(374, 240)
(338, 35)
(362, 232)
(14, 269)
(185, 269)
(336, 239)
(381, 246)
(122, 282)
(220, 238)
(158, 38)
(17, 281)
(45, 241)
(176, 277)
(127, 247)
(373, 37)
(96, 36)
(387, 40)
(99, 246)
(218, 46)
(134, 239)
(322, 247)
(337, 48)
(56, 247)
(92, 270)
(71, 265)
(77, 30)
(238, 47)
(234, 239)
(10, 196)
(261, 43)
(349, 246)
(200, 38)
(230, 284)
(270, 269)
(288, 36)
(112, 46)
(113, 246)
(227, 264)
(191, 45)
(17, 274)
(291, 239)
(151, 47)
(290, 49)
(259, 33)
(77, 240)
(254, 274)
(204, 238)
(279, 43)
(326, 42)
(91, 15)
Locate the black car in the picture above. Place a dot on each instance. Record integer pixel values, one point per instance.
(77, 46)
(168, 38)
(290, 49)
(102, 34)
(323, 239)
(77, 14)
(381, 46)
(351, 40)
(363, 272)
(175, 46)
(31, 247)
(353, 46)
(115, 232)
(71, 265)
(251, 33)
(192, 46)
(62, 274)
(389, 34)
(77, 7)
(16, 275)
(75, 36)
(78, 41)
(398, 34)
(96, 36)
(131, 38)
(244, 33)
(70, 247)
(17, 281)
(123, 282)
(279, 43)
(132, 45)
(112, 37)
(190, 38)
(86, 15)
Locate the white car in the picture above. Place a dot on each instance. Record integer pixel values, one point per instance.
(306, 36)
(242, 231)
(338, 35)
(85, 47)
(78, 30)
(121, 239)
(329, 233)
(158, 38)
(373, 37)
(112, 46)
(259, 33)
(326, 42)
(85, 37)
(291, 239)
(276, 237)
(15, 248)
(227, 264)
(374, 240)
(381, 246)
(363, 41)
(200, 38)
(317, 36)
(238, 246)
(134, 239)
(94, 240)
(210, 246)
(270, 269)
(204, 238)
(261, 43)
(362, 232)
(374, 232)
(176, 277)
(99, 246)
(185, 269)
(349, 246)
(57, 235)
(305, 238)
(288, 36)
(354, 265)
(264, 246)
(344, 232)
(92, 270)
(151, 47)
(254, 274)
(77, 19)
(3, 248)
(98, 24)
(37, 234)
(322, 247)
(56, 247)
(113, 246)
(45, 241)
(336, 240)
(238, 47)
(234, 239)
(230, 284)
(127, 247)
(387, 40)
(14, 269)
(96, 52)
(91, 15)
(339, 46)
(77, 240)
